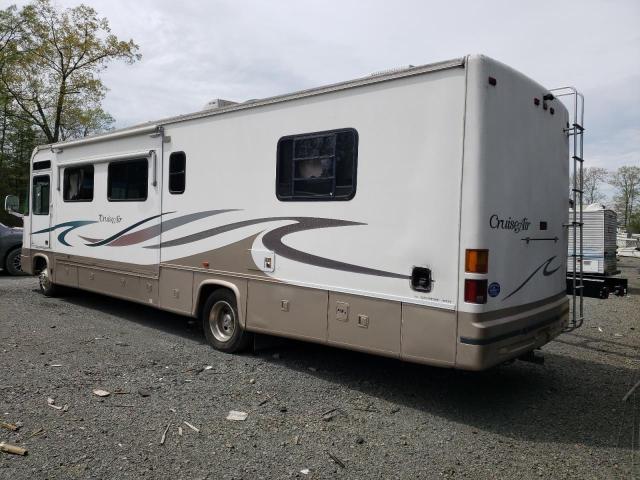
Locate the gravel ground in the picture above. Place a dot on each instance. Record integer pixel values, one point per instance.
(387, 419)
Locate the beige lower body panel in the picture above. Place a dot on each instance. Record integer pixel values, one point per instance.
(287, 310)
(366, 324)
(176, 290)
(411, 332)
(428, 335)
(119, 284)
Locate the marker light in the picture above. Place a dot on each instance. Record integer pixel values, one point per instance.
(476, 261)
(492, 81)
(475, 291)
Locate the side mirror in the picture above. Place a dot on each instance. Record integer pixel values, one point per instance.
(12, 205)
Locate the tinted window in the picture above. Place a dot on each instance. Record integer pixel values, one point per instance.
(41, 195)
(78, 184)
(177, 169)
(128, 181)
(319, 166)
(42, 165)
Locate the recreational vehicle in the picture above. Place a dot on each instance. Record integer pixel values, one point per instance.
(599, 243)
(419, 213)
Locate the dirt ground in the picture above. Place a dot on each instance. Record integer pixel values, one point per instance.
(313, 411)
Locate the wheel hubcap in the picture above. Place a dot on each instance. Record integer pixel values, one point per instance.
(222, 321)
(44, 280)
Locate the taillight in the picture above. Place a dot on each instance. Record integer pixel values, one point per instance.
(475, 291)
(476, 261)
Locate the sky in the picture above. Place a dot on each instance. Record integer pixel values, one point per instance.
(194, 51)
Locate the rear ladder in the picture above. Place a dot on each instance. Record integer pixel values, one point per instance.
(575, 130)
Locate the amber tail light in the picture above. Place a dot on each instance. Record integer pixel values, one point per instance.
(475, 291)
(476, 261)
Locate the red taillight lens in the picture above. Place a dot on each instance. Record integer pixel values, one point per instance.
(475, 291)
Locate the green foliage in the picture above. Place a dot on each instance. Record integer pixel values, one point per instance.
(50, 87)
(626, 181)
(52, 66)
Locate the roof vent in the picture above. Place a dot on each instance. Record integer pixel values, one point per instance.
(218, 103)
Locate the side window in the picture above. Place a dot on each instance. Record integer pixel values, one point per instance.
(127, 181)
(40, 195)
(177, 170)
(318, 166)
(78, 184)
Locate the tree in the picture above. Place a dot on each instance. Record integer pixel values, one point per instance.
(626, 181)
(55, 59)
(634, 223)
(592, 179)
(50, 90)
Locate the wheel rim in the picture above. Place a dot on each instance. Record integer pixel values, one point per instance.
(16, 263)
(44, 280)
(222, 321)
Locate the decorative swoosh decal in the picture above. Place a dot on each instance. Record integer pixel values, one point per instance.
(545, 271)
(212, 232)
(72, 226)
(273, 241)
(122, 232)
(166, 225)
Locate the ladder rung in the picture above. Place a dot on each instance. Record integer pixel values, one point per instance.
(577, 158)
(578, 127)
(577, 190)
(575, 255)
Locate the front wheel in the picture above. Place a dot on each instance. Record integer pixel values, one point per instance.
(221, 324)
(48, 288)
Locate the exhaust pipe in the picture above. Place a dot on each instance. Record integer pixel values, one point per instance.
(533, 356)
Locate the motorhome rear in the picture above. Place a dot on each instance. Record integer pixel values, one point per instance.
(416, 214)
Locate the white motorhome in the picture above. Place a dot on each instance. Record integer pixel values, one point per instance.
(418, 214)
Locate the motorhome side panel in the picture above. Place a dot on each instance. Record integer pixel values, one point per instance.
(404, 213)
(514, 205)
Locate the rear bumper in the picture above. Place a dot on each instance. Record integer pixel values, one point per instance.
(490, 338)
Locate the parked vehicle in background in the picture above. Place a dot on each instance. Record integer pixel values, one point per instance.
(10, 248)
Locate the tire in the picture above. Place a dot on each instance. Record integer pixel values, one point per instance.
(221, 324)
(12, 263)
(47, 287)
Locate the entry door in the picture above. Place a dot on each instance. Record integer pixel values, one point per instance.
(40, 211)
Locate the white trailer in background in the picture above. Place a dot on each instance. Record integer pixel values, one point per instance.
(597, 266)
(599, 241)
(419, 214)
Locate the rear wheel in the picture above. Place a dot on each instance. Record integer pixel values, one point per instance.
(12, 263)
(48, 288)
(221, 324)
